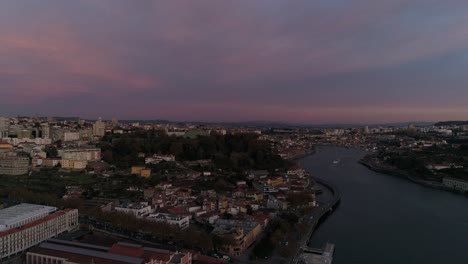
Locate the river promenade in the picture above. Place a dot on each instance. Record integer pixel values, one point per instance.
(318, 215)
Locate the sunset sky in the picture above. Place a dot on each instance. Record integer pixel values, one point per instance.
(311, 61)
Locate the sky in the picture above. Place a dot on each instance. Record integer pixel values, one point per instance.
(302, 61)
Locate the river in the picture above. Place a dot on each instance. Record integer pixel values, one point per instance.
(384, 219)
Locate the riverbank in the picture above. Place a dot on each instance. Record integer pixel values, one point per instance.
(308, 152)
(380, 215)
(319, 216)
(402, 174)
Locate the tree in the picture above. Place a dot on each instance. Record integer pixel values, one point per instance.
(52, 152)
(249, 210)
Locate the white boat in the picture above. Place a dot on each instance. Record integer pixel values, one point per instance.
(336, 161)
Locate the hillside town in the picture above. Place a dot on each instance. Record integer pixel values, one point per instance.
(185, 193)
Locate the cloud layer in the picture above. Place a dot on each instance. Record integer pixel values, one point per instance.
(302, 61)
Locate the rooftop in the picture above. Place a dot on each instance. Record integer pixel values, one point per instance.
(20, 212)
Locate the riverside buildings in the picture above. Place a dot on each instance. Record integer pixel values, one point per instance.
(454, 183)
(26, 225)
(241, 233)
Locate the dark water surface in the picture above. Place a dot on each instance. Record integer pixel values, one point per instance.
(385, 219)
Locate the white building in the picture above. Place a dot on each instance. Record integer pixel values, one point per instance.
(45, 130)
(4, 127)
(38, 141)
(455, 183)
(34, 224)
(155, 159)
(139, 210)
(71, 136)
(22, 214)
(99, 128)
(181, 221)
(443, 166)
(91, 154)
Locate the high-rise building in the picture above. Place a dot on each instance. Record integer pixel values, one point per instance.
(366, 130)
(99, 128)
(45, 130)
(4, 127)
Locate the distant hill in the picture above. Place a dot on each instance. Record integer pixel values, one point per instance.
(451, 123)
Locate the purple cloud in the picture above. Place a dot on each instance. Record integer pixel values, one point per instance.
(304, 61)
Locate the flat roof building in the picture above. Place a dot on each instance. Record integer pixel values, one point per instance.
(64, 252)
(22, 214)
(32, 232)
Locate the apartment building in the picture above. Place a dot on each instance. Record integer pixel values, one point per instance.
(88, 154)
(74, 164)
(181, 221)
(14, 165)
(137, 209)
(242, 232)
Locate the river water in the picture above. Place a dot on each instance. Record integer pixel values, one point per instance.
(385, 219)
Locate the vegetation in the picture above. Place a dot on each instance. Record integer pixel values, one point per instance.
(230, 152)
(278, 237)
(193, 237)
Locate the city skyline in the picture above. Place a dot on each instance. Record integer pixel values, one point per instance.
(303, 62)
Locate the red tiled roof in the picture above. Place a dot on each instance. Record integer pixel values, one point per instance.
(129, 251)
(160, 256)
(208, 259)
(74, 258)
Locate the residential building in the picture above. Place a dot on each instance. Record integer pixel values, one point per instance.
(455, 183)
(4, 127)
(88, 154)
(275, 181)
(51, 162)
(99, 128)
(5, 147)
(71, 136)
(31, 225)
(241, 233)
(145, 173)
(14, 165)
(443, 166)
(137, 209)
(181, 221)
(74, 164)
(24, 133)
(136, 169)
(45, 130)
(141, 170)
